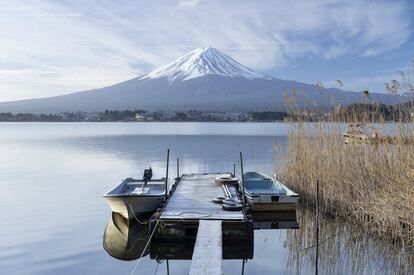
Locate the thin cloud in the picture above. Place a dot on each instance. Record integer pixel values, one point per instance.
(59, 47)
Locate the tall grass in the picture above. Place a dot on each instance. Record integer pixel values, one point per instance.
(369, 184)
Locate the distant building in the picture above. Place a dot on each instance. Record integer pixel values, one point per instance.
(139, 117)
(94, 116)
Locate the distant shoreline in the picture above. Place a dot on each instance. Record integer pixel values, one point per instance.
(350, 113)
(143, 122)
(146, 116)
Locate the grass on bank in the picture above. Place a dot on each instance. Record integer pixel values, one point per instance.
(368, 184)
(372, 185)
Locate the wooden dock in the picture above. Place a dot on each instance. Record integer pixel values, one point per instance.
(193, 197)
(190, 214)
(208, 254)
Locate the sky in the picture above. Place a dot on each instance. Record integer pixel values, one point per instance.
(50, 48)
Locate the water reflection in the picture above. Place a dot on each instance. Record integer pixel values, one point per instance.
(196, 153)
(126, 239)
(275, 220)
(183, 250)
(42, 162)
(344, 249)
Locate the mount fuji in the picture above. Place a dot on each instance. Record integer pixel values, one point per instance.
(204, 79)
(202, 62)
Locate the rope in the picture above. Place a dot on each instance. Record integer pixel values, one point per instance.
(158, 264)
(325, 240)
(315, 245)
(145, 248)
(134, 243)
(193, 212)
(138, 220)
(156, 269)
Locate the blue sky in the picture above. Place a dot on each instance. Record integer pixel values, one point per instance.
(55, 47)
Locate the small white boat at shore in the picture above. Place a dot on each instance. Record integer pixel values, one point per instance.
(264, 193)
(136, 197)
(360, 133)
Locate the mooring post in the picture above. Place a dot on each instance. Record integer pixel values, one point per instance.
(275, 158)
(317, 227)
(166, 175)
(178, 168)
(242, 178)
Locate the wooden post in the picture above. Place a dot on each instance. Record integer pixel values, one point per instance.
(166, 175)
(242, 178)
(317, 227)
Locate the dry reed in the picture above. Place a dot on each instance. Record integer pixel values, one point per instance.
(368, 184)
(372, 185)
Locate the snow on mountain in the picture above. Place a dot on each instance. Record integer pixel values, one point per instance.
(204, 79)
(201, 62)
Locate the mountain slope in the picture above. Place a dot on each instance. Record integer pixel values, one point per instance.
(201, 62)
(204, 79)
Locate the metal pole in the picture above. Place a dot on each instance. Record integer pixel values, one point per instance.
(166, 176)
(242, 178)
(275, 159)
(234, 169)
(168, 268)
(178, 167)
(317, 227)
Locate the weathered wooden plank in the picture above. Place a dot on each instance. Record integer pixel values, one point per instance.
(193, 197)
(207, 254)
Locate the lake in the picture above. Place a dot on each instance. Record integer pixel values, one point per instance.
(53, 175)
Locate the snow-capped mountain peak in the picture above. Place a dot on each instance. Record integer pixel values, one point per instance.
(204, 61)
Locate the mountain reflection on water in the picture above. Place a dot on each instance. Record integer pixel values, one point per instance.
(53, 176)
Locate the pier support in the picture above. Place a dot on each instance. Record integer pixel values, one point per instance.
(207, 254)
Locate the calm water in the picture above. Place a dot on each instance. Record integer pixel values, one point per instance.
(52, 177)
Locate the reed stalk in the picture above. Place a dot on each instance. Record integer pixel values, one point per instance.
(368, 184)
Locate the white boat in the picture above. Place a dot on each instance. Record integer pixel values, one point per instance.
(360, 133)
(136, 197)
(264, 193)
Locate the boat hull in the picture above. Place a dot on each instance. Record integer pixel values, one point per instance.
(130, 206)
(265, 194)
(268, 203)
(273, 207)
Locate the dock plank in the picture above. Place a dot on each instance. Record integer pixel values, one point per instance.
(207, 254)
(193, 197)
